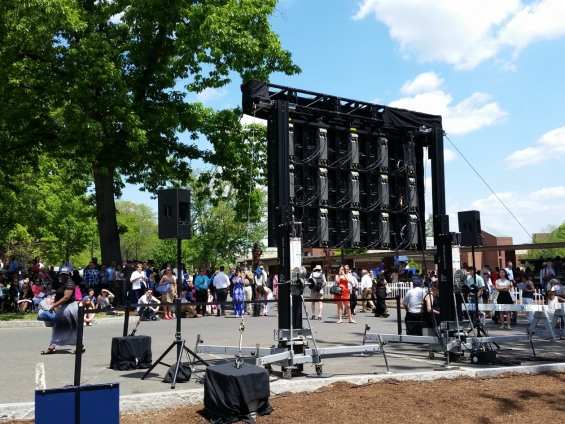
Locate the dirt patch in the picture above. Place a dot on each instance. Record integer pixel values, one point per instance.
(510, 398)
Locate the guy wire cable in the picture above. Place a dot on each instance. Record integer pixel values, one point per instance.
(492, 191)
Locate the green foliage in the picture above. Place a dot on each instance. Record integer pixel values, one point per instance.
(430, 225)
(413, 264)
(139, 229)
(100, 83)
(218, 235)
(44, 212)
(554, 234)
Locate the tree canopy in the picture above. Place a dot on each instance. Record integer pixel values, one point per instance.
(104, 83)
(554, 234)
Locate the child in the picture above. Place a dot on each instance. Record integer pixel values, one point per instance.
(88, 318)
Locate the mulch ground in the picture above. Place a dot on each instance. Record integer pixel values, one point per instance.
(511, 398)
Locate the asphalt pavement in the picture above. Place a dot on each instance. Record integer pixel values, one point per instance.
(23, 368)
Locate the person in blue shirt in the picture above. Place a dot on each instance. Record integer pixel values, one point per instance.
(201, 283)
(14, 266)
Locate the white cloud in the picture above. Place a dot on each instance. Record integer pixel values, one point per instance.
(209, 94)
(466, 33)
(248, 119)
(427, 81)
(533, 211)
(551, 146)
(448, 155)
(470, 114)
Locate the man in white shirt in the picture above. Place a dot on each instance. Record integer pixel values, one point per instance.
(138, 280)
(148, 312)
(366, 288)
(412, 304)
(222, 283)
(545, 269)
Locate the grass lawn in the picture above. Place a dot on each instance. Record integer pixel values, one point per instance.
(12, 316)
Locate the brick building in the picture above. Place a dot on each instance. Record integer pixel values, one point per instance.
(496, 258)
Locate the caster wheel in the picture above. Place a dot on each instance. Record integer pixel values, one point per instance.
(318, 369)
(431, 355)
(286, 373)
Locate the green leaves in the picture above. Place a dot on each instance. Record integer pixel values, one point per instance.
(95, 83)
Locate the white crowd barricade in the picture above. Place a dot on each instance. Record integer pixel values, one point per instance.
(399, 289)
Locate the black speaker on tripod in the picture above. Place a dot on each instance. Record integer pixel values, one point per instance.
(174, 214)
(470, 228)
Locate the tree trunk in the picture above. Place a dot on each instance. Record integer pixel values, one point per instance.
(106, 216)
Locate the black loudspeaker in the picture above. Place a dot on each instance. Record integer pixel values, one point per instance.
(174, 214)
(470, 228)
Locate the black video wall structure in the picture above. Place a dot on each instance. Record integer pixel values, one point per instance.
(345, 173)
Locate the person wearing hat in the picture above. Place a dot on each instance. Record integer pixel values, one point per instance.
(65, 323)
(412, 304)
(318, 292)
(546, 270)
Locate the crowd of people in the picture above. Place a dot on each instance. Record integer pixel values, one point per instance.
(498, 286)
(55, 296)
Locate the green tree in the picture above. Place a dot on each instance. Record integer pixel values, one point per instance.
(44, 212)
(100, 81)
(138, 229)
(430, 225)
(554, 234)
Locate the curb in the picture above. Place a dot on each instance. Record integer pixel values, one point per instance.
(36, 323)
(174, 399)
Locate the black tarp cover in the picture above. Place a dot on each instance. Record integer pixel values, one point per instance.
(402, 118)
(253, 92)
(228, 390)
(131, 352)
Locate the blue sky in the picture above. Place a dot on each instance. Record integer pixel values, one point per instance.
(493, 69)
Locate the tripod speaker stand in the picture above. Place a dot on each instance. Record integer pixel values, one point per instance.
(181, 346)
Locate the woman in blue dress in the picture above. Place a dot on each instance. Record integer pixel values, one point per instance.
(238, 295)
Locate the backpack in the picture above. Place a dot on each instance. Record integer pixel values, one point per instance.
(316, 283)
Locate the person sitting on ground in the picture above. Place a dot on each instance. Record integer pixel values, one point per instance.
(25, 298)
(44, 313)
(14, 291)
(38, 291)
(88, 317)
(90, 296)
(148, 312)
(185, 309)
(105, 302)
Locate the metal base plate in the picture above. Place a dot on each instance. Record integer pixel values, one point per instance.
(323, 375)
(447, 368)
